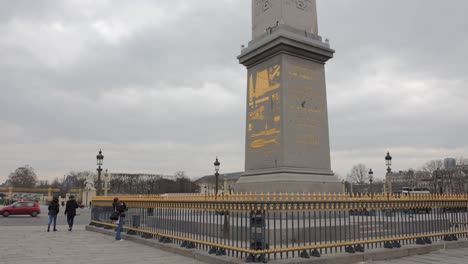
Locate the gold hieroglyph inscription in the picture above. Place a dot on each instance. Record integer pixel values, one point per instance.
(306, 102)
(259, 143)
(257, 114)
(264, 83)
(300, 75)
(268, 132)
(309, 139)
(275, 97)
(263, 103)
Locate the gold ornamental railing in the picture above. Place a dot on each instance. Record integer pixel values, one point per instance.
(284, 225)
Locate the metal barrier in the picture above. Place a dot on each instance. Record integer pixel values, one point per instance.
(260, 227)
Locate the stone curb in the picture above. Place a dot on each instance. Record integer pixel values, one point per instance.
(339, 258)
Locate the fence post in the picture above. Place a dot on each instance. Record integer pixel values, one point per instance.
(257, 235)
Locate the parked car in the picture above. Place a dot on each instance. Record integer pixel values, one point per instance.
(21, 208)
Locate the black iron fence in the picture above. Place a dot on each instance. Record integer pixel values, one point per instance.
(260, 227)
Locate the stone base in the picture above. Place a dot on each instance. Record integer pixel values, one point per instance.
(289, 180)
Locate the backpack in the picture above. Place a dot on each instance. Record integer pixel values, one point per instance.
(122, 207)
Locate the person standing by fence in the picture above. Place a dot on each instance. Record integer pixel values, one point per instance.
(119, 207)
(54, 209)
(70, 211)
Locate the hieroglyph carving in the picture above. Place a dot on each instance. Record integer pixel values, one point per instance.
(263, 5)
(302, 4)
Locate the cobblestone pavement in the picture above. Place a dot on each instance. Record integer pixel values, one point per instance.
(32, 244)
(451, 256)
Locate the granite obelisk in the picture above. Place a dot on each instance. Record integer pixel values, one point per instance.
(287, 140)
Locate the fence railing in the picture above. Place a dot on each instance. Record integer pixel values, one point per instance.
(260, 227)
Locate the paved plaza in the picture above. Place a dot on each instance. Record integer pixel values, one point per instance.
(23, 239)
(452, 256)
(32, 244)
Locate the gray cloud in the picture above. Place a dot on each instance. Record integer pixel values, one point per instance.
(157, 86)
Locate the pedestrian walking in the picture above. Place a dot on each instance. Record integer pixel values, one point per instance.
(70, 211)
(54, 209)
(119, 207)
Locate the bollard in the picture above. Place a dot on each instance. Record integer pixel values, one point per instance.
(257, 235)
(150, 211)
(135, 224)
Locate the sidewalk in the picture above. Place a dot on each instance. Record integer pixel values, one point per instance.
(32, 244)
(451, 256)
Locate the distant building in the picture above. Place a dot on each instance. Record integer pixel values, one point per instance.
(226, 183)
(450, 163)
(451, 180)
(395, 181)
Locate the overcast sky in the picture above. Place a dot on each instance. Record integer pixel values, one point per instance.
(157, 86)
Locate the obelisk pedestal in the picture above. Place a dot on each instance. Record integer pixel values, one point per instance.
(287, 140)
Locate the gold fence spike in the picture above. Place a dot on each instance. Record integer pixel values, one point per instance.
(308, 196)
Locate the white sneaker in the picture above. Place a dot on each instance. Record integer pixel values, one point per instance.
(120, 239)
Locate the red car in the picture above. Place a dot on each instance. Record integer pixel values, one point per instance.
(21, 208)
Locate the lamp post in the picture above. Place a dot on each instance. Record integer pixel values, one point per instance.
(371, 179)
(106, 182)
(100, 159)
(388, 162)
(438, 177)
(216, 164)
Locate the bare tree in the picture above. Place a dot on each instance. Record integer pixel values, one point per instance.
(359, 174)
(24, 177)
(462, 161)
(432, 165)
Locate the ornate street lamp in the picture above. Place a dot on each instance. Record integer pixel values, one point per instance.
(438, 176)
(371, 179)
(100, 159)
(106, 182)
(388, 161)
(216, 164)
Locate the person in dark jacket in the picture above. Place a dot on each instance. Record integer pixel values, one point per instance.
(54, 209)
(70, 211)
(120, 207)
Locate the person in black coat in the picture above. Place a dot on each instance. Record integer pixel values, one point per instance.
(70, 211)
(54, 209)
